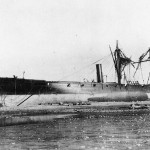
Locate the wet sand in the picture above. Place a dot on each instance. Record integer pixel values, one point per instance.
(41, 113)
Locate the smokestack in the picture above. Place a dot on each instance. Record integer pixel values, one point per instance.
(99, 73)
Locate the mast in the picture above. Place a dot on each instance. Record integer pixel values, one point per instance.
(120, 62)
(142, 59)
(117, 54)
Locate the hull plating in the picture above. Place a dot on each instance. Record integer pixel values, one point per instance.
(70, 92)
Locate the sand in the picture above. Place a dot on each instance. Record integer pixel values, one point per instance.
(40, 113)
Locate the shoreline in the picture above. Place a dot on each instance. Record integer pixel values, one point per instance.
(35, 114)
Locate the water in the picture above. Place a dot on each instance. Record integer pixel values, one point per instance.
(120, 132)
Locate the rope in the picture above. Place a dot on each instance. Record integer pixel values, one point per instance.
(100, 59)
(142, 74)
(110, 70)
(129, 72)
(108, 73)
(148, 78)
(87, 66)
(25, 99)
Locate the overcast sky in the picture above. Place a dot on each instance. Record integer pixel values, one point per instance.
(51, 39)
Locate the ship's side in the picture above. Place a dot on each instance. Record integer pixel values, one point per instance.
(40, 91)
(19, 86)
(146, 88)
(98, 92)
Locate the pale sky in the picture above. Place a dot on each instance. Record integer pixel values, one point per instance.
(51, 39)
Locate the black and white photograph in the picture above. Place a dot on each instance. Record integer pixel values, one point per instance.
(74, 74)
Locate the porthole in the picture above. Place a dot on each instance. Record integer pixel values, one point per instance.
(81, 85)
(94, 85)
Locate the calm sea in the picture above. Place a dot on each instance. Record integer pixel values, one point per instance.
(120, 132)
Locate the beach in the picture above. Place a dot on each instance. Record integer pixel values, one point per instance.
(41, 113)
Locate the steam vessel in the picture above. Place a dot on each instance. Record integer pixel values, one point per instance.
(20, 91)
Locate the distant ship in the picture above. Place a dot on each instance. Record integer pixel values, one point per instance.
(41, 91)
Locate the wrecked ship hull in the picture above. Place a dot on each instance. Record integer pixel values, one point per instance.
(24, 91)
